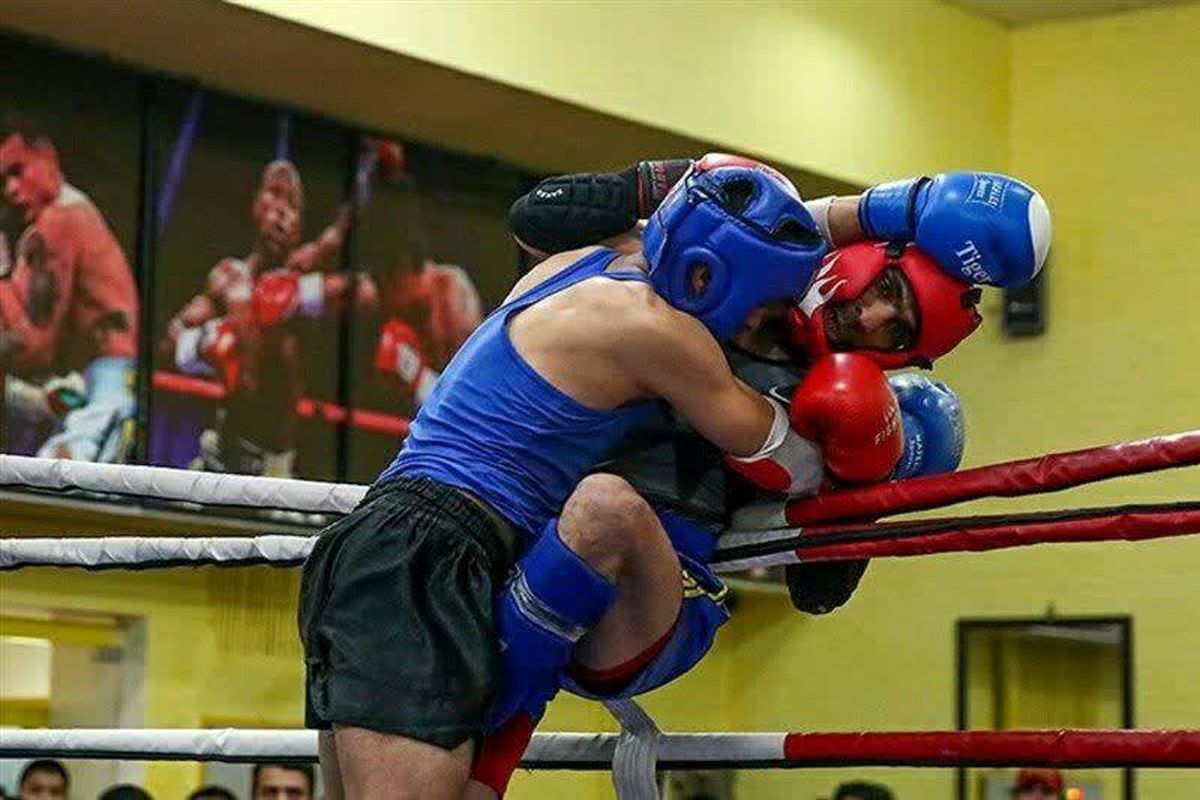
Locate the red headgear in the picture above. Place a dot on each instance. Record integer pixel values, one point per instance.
(946, 306)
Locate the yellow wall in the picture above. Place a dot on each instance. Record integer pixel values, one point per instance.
(860, 89)
(1103, 122)
(221, 647)
(1098, 114)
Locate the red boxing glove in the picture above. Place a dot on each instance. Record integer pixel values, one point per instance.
(393, 163)
(846, 406)
(399, 354)
(282, 293)
(210, 348)
(219, 347)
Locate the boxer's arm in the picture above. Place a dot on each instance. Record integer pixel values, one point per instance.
(227, 284)
(195, 314)
(344, 290)
(837, 219)
(323, 252)
(842, 420)
(400, 360)
(546, 270)
(685, 366)
(36, 339)
(199, 310)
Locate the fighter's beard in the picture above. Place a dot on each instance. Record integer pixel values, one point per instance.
(839, 326)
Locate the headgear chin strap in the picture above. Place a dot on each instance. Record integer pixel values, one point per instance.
(946, 307)
(744, 225)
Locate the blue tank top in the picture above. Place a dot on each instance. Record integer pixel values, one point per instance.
(498, 429)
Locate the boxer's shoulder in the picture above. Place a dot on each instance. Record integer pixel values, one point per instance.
(55, 223)
(547, 269)
(627, 310)
(69, 198)
(70, 209)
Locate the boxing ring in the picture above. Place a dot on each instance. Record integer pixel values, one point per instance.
(835, 526)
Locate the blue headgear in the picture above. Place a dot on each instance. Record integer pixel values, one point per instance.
(745, 223)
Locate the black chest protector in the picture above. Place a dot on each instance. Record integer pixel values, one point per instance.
(677, 469)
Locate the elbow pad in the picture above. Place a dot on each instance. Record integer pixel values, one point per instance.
(567, 212)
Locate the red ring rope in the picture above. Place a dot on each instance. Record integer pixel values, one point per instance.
(1062, 748)
(306, 407)
(1037, 475)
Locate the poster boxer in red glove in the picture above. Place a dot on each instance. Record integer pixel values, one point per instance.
(218, 332)
(68, 310)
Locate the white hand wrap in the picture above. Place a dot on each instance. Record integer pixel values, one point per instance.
(187, 351)
(312, 294)
(787, 462)
(819, 209)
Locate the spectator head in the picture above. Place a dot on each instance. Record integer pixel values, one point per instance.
(282, 781)
(862, 790)
(125, 791)
(1038, 784)
(44, 779)
(212, 792)
(29, 168)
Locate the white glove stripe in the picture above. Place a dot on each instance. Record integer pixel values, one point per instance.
(775, 437)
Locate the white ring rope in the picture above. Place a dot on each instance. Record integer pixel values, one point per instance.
(738, 549)
(546, 751)
(117, 552)
(219, 489)
(207, 488)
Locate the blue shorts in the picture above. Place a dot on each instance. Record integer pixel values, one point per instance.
(702, 612)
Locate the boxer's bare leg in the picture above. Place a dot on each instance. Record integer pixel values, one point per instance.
(331, 774)
(381, 766)
(477, 791)
(609, 525)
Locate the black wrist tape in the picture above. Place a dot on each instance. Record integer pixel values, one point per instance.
(655, 179)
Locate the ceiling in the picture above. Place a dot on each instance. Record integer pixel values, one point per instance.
(1025, 12)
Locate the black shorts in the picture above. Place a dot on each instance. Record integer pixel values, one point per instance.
(396, 615)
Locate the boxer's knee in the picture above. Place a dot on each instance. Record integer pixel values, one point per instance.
(607, 523)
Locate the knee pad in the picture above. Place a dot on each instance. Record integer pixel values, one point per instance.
(552, 599)
(556, 588)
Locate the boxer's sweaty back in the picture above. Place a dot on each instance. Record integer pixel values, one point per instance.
(498, 429)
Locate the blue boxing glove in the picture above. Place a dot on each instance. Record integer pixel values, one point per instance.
(978, 226)
(933, 426)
